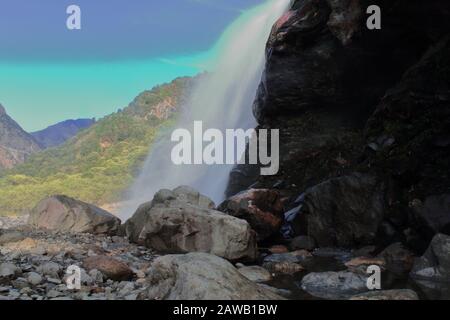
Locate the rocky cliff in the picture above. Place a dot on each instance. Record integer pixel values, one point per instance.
(364, 118)
(15, 144)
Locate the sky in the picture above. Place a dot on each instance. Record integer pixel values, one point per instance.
(49, 73)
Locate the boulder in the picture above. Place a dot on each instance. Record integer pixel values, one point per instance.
(110, 267)
(65, 214)
(401, 294)
(201, 276)
(255, 273)
(182, 220)
(334, 285)
(434, 265)
(434, 213)
(262, 208)
(342, 212)
(286, 263)
(398, 259)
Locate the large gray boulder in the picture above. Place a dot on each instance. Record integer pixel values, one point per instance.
(434, 265)
(183, 220)
(201, 276)
(65, 214)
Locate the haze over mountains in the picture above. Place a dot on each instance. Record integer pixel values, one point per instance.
(17, 145)
(59, 133)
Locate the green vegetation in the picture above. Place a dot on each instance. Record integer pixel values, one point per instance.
(99, 163)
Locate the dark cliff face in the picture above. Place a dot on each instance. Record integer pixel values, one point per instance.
(59, 133)
(352, 101)
(15, 144)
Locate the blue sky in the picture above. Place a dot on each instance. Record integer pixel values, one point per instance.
(49, 74)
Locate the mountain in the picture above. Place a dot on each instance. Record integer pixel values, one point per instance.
(15, 144)
(59, 133)
(100, 162)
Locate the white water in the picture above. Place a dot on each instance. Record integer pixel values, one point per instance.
(223, 100)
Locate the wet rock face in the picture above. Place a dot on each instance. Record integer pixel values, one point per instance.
(341, 212)
(261, 208)
(415, 116)
(320, 54)
(61, 213)
(200, 276)
(182, 220)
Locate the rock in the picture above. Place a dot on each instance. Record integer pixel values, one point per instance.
(295, 257)
(283, 267)
(416, 114)
(255, 273)
(182, 221)
(51, 269)
(286, 263)
(399, 260)
(360, 264)
(434, 213)
(201, 276)
(262, 208)
(34, 278)
(342, 212)
(9, 270)
(110, 267)
(434, 265)
(281, 292)
(404, 294)
(10, 236)
(302, 243)
(278, 249)
(319, 51)
(334, 285)
(61, 213)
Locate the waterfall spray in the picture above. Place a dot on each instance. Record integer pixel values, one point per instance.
(221, 100)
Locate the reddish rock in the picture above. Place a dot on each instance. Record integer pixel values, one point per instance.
(110, 267)
(262, 208)
(278, 249)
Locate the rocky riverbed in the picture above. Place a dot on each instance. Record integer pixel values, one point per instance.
(169, 259)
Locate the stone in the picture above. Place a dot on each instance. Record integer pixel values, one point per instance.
(201, 276)
(342, 212)
(302, 243)
(34, 278)
(286, 263)
(51, 269)
(182, 220)
(109, 267)
(402, 294)
(434, 213)
(334, 285)
(360, 264)
(434, 265)
(255, 273)
(262, 208)
(9, 270)
(398, 259)
(278, 249)
(65, 214)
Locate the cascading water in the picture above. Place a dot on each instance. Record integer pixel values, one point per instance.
(221, 100)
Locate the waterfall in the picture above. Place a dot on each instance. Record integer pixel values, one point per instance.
(221, 100)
